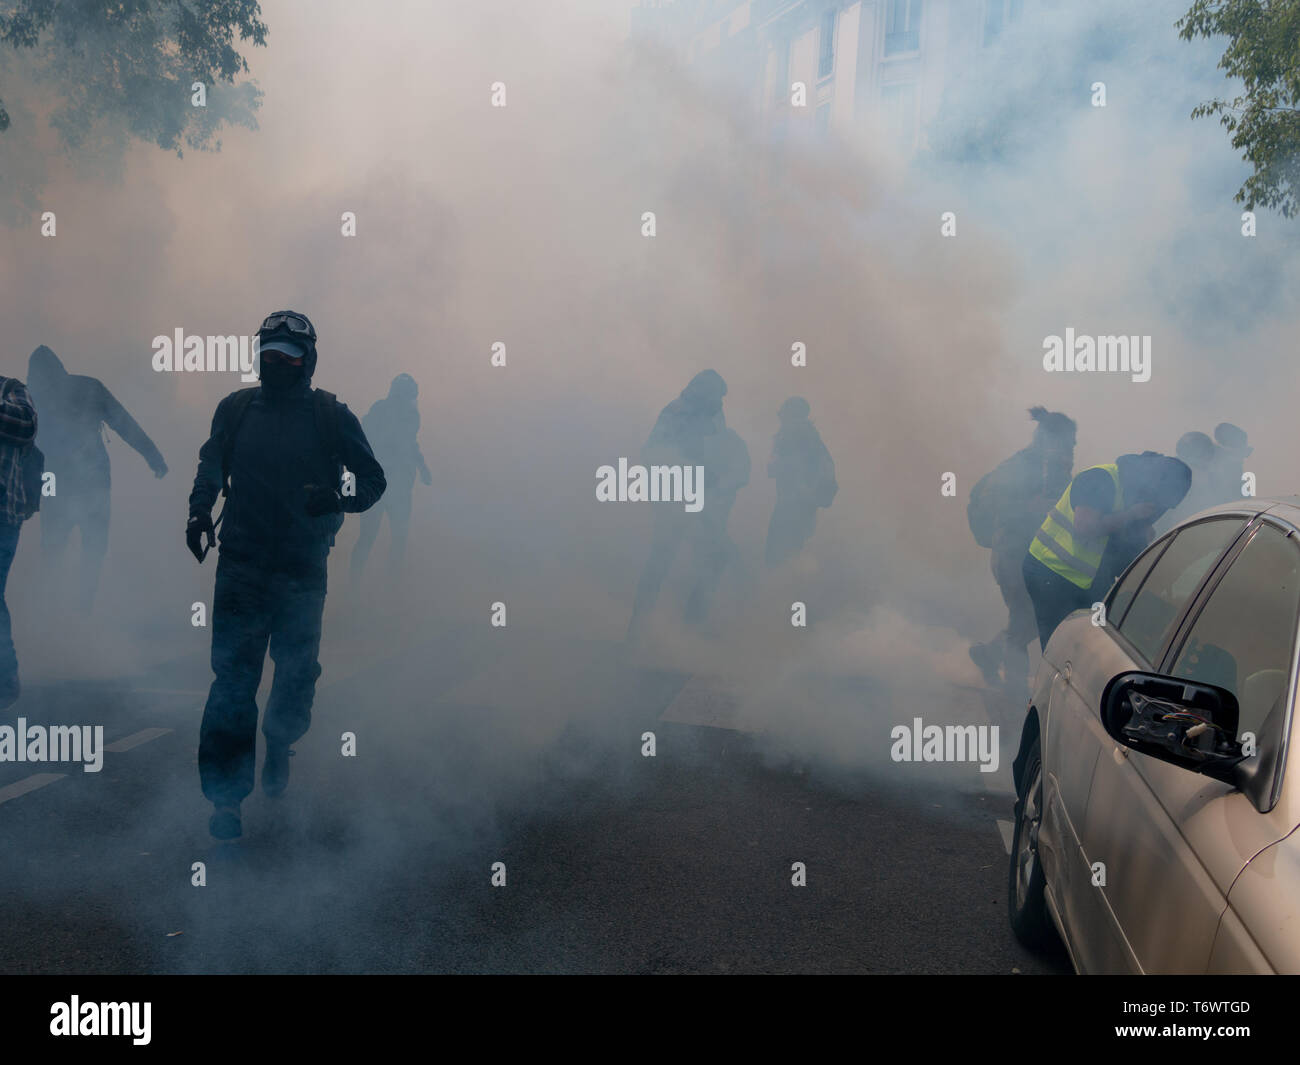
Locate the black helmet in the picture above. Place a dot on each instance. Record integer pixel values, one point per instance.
(290, 332)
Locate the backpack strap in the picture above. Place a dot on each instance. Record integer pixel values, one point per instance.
(325, 410)
(235, 417)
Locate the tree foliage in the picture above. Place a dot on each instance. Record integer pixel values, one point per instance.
(1264, 120)
(131, 64)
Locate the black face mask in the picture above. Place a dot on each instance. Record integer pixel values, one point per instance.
(279, 376)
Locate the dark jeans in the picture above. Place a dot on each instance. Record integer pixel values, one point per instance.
(8, 658)
(711, 550)
(86, 508)
(1008, 571)
(793, 521)
(251, 607)
(1052, 595)
(396, 503)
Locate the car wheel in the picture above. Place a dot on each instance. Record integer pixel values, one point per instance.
(1025, 889)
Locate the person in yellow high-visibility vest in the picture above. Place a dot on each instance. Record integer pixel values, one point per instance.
(1100, 524)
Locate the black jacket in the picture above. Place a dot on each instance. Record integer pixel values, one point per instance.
(74, 409)
(278, 451)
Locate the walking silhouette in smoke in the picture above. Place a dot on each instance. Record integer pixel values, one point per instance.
(683, 435)
(805, 481)
(392, 426)
(1217, 466)
(1199, 453)
(278, 452)
(1230, 460)
(1007, 506)
(18, 501)
(726, 472)
(74, 409)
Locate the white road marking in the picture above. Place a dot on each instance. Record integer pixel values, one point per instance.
(1008, 830)
(31, 783)
(135, 739)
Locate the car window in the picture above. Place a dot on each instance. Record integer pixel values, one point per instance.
(1242, 639)
(1128, 584)
(1160, 602)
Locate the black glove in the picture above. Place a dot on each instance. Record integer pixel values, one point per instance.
(199, 524)
(321, 500)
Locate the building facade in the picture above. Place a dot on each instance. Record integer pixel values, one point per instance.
(871, 66)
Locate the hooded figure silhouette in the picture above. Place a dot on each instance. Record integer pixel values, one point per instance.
(74, 410)
(1007, 506)
(392, 426)
(687, 433)
(805, 480)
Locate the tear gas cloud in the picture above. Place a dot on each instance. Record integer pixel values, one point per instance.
(522, 225)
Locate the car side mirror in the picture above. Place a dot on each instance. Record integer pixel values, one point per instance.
(1186, 723)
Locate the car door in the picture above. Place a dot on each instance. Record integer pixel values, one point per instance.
(1174, 841)
(1072, 741)
(1122, 817)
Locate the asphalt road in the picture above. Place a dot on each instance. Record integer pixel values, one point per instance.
(613, 862)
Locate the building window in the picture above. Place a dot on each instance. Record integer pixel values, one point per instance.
(898, 103)
(998, 13)
(902, 26)
(780, 59)
(826, 60)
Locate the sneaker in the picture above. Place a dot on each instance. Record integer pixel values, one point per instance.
(275, 770)
(224, 823)
(988, 659)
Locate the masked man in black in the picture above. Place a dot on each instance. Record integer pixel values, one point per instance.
(278, 452)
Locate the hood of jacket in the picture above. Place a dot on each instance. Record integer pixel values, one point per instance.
(45, 372)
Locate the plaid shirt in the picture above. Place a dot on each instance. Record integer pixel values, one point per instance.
(17, 431)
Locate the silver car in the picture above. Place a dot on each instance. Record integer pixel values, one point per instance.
(1155, 814)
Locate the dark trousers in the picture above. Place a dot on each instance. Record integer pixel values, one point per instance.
(396, 503)
(1008, 571)
(793, 521)
(86, 508)
(1052, 595)
(711, 550)
(8, 658)
(251, 607)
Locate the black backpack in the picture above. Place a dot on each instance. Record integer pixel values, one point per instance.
(33, 467)
(325, 410)
(981, 511)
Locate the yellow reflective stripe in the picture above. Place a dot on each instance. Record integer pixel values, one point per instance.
(1059, 566)
(1064, 555)
(1058, 516)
